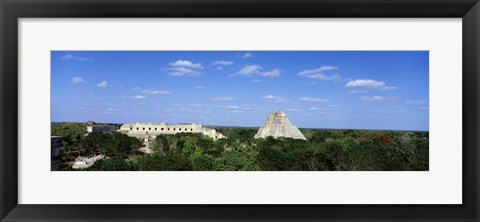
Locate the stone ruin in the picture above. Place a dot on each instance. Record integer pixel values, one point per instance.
(278, 125)
(148, 131)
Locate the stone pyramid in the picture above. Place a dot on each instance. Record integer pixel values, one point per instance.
(278, 125)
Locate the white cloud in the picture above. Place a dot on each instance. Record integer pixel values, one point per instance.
(224, 99)
(200, 87)
(250, 70)
(322, 76)
(184, 68)
(232, 107)
(294, 110)
(313, 71)
(274, 99)
(139, 97)
(103, 84)
(320, 73)
(136, 89)
(92, 96)
(312, 100)
(388, 88)
(196, 105)
(77, 80)
(72, 57)
(313, 108)
(186, 63)
(367, 83)
(182, 71)
(247, 55)
(156, 92)
(238, 109)
(274, 73)
(357, 91)
(152, 92)
(370, 84)
(109, 111)
(222, 63)
(375, 98)
(415, 102)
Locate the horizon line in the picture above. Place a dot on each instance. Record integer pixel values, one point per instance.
(234, 126)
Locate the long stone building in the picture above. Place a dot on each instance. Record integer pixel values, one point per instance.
(148, 131)
(101, 128)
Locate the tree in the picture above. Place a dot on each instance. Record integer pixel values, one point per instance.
(72, 133)
(159, 144)
(163, 162)
(237, 159)
(110, 144)
(203, 163)
(111, 164)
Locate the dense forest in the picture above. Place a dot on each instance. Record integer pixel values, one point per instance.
(324, 150)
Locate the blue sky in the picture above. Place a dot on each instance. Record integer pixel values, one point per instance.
(316, 89)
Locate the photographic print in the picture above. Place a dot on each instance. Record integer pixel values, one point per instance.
(240, 110)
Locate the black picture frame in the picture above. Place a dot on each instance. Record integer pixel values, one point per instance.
(11, 11)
